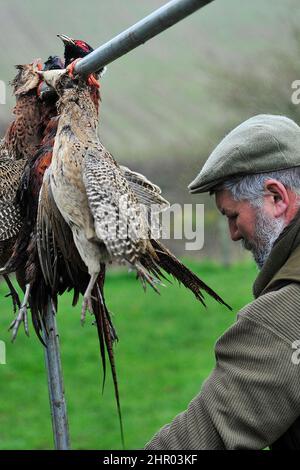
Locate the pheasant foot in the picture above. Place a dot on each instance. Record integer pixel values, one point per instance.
(21, 317)
(13, 293)
(87, 298)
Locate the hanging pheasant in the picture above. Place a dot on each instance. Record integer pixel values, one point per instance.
(62, 266)
(20, 142)
(24, 133)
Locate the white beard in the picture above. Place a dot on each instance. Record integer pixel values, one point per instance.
(267, 230)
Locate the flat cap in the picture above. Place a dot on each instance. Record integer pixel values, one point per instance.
(263, 143)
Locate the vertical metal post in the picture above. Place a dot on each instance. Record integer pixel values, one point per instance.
(55, 383)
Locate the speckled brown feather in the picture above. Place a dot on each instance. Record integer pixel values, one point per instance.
(10, 215)
(24, 133)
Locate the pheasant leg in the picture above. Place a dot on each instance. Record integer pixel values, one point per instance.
(21, 317)
(13, 293)
(87, 298)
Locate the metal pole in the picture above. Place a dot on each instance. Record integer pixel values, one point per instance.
(138, 34)
(55, 382)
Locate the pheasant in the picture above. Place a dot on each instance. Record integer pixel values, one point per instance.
(67, 259)
(24, 133)
(20, 140)
(93, 195)
(32, 118)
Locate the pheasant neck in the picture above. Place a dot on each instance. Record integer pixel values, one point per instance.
(23, 134)
(78, 109)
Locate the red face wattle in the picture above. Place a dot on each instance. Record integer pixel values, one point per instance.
(83, 46)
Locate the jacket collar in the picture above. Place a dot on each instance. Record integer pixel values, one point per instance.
(283, 264)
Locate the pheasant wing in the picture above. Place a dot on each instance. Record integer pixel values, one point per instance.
(119, 220)
(147, 192)
(3, 149)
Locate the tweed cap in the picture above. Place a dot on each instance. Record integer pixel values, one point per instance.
(261, 144)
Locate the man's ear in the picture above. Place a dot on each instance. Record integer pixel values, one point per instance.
(279, 198)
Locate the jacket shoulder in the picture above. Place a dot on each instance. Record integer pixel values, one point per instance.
(278, 311)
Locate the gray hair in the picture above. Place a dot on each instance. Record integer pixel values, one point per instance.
(251, 187)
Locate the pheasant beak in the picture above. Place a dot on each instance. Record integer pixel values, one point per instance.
(65, 39)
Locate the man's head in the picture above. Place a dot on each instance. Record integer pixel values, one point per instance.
(258, 208)
(255, 176)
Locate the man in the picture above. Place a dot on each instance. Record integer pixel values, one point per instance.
(251, 400)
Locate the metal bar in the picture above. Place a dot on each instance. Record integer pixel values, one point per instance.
(55, 382)
(138, 34)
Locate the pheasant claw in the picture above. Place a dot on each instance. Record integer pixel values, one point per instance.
(15, 325)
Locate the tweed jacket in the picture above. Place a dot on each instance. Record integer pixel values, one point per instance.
(251, 400)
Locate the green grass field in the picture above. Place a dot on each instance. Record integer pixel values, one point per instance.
(164, 354)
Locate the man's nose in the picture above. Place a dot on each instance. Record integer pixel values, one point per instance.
(235, 234)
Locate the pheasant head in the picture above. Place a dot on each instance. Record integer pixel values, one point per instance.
(74, 48)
